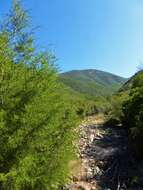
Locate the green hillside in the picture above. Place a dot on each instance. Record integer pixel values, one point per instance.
(93, 82)
(129, 83)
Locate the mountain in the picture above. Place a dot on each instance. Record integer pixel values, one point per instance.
(92, 82)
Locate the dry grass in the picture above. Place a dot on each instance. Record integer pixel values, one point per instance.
(94, 120)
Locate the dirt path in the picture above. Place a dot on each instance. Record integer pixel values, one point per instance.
(106, 162)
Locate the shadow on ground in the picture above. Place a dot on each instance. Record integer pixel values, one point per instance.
(115, 160)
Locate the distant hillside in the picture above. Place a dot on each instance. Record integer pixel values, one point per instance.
(128, 84)
(92, 82)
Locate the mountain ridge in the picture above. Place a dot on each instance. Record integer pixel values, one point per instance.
(92, 82)
(76, 70)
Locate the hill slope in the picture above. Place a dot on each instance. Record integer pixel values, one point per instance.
(92, 82)
(129, 83)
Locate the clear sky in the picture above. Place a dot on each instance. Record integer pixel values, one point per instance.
(99, 34)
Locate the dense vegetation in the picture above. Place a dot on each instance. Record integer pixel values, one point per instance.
(133, 113)
(91, 89)
(37, 119)
(93, 83)
(127, 108)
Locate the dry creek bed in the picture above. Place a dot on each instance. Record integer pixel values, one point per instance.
(105, 161)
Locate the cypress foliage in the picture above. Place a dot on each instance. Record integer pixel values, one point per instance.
(36, 118)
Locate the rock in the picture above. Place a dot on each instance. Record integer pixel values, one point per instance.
(97, 171)
(92, 137)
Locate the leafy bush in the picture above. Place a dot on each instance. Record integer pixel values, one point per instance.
(133, 111)
(115, 113)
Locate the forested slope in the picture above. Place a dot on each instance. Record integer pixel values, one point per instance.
(129, 83)
(93, 83)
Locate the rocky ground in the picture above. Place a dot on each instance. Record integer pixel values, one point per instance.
(105, 161)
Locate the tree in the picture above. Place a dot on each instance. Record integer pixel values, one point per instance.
(36, 116)
(20, 36)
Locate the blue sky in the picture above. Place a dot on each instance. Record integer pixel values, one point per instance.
(99, 34)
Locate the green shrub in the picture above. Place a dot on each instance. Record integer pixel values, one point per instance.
(133, 114)
(116, 102)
